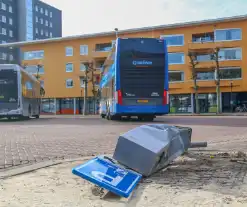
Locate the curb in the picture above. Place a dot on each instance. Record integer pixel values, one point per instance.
(36, 166)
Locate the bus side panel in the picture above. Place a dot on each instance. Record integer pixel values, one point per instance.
(117, 56)
(166, 87)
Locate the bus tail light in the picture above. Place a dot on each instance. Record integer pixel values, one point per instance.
(119, 97)
(165, 97)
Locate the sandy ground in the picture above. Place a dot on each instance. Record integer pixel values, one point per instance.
(197, 179)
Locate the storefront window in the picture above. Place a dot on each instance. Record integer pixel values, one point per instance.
(48, 106)
(207, 103)
(180, 103)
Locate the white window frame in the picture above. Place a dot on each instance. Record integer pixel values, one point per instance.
(10, 21)
(46, 23)
(227, 68)
(36, 30)
(51, 25)
(66, 81)
(4, 19)
(80, 66)
(41, 10)
(4, 31)
(82, 85)
(51, 34)
(3, 6)
(41, 31)
(36, 19)
(11, 34)
(46, 12)
(70, 63)
(46, 34)
(215, 38)
(175, 35)
(10, 9)
(177, 53)
(50, 14)
(69, 48)
(36, 8)
(83, 49)
(41, 21)
(225, 49)
(177, 71)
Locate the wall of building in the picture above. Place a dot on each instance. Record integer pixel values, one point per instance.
(55, 61)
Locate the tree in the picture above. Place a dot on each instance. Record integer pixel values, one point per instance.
(215, 56)
(194, 63)
(89, 79)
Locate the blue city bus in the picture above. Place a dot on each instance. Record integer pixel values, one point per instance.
(134, 80)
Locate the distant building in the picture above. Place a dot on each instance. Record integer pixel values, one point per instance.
(25, 20)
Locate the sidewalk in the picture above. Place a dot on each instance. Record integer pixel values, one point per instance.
(196, 183)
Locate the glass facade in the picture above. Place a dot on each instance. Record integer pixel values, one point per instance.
(48, 106)
(180, 103)
(228, 34)
(29, 19)
(207, 103)
(231, 101)
(31, 55)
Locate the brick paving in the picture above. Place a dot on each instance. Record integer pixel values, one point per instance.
(50, 138)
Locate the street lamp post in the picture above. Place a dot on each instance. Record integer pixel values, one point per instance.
(116, 31)
(231, 85)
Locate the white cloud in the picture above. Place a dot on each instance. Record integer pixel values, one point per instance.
(86, 16)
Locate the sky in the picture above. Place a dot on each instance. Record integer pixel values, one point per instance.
(90, 16)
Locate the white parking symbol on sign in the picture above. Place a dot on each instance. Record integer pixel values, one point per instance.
(101, 176)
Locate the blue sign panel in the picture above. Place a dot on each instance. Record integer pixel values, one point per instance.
(109, 176)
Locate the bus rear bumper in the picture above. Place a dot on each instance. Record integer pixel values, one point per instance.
(142, 110)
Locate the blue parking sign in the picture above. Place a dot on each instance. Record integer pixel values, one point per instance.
(109, 176)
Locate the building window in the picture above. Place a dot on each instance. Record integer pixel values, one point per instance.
(230, 54)
(31, 55)
(83, 50)
(46, 23)
(10, 33)
(37, 31)
(204, 58)
(82, 82)
(3, 6)
(69, 51)
(228, 34)
(33, 69)
(83, 67)
(41, 32)
(230, 73)
(10, 9)
(4, 31)
(175, 58)
(41, 10)
(51, 24)
(173, 40)
(176, 76)
(41, 21)
(10, 21)
(69, 83)
(36, 8)
(46, 34)
(11, 57)
(180, 103)
(50, 34)
(51, 14)
(3, 19)
(104, 47)
(208, 75)
(36, 19)
(46, 12)
(69, 67)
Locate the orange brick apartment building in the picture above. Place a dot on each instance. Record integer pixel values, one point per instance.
(64, 59)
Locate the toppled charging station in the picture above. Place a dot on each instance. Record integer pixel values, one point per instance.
(140, 152)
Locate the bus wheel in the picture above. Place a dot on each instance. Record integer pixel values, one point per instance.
(140, 118)
(36, 116)
(149, 118)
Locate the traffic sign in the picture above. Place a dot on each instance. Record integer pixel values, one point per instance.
(107, 175)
